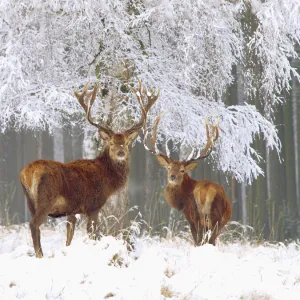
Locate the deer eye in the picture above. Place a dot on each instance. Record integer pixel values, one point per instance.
(181, 171)
(169, 168)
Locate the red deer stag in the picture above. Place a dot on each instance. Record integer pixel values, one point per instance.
(203, 203)
(81, 186)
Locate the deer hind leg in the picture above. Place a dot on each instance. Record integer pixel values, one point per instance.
(34, 225)
(30, 202)
(209, 199)
(93, 225)
(215, 232)
(71, 221)
(217, 223)
(44, 199)
(200, 233)
(36, 234)
(197, 233)
(194, 233)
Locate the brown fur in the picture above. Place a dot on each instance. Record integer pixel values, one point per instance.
(203, 203)
(77, 187)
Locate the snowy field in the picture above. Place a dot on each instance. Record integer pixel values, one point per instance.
(156, 269)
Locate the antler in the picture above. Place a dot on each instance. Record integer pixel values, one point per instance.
(152, 139)
(89, 97)
(211, 138)
(140, 93)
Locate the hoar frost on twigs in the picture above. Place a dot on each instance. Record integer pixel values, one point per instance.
(272, 43)
(238, 125)
(187, 48)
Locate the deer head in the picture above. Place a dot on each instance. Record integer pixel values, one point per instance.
(177, 169)
(117, 144)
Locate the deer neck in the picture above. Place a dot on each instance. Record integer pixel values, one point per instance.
(115, 172)
(178, 195)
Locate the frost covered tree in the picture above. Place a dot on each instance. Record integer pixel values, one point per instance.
(187, 48)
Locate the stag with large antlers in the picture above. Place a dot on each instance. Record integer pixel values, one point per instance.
(203, 203)
(82, 186)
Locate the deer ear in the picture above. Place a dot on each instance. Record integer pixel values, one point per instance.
(132, 136)
(104, 136)
(191, 165)
(163, 161)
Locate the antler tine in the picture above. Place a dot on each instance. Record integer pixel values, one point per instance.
(151, 99)
(90, 96)
(216, 130)
(80, 97)
(211, 138)
(90, 104)
(152, 139)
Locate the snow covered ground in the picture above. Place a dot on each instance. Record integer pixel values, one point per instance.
(156, 269)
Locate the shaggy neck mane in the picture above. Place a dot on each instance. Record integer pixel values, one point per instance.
(177, 195)
(186, 186)
(118, 170)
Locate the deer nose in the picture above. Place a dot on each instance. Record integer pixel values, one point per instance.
(172, 177)
(121, 153)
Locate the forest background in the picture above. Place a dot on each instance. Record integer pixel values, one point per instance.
(236, 61)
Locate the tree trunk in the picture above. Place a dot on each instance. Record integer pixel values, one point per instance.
(4, 181)
(149, 191)
(19, 198)
(67, 142)
(296, 131)
(289, 162)
(77, 140)
(58, 145)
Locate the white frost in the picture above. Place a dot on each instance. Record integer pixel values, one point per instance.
(93, 270)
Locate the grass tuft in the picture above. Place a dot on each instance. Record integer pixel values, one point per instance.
(109, 295)
(255, 296)
(166, 292)
(169, 273)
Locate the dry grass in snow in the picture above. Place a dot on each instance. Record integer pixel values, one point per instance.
(156, 269)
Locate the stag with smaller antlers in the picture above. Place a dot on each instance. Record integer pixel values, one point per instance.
(82, 186)
(203, 203)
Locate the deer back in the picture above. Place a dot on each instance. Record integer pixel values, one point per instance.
(75, 187)
(211, 200)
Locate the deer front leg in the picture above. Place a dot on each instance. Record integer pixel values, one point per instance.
(93, 225)
(70, 229)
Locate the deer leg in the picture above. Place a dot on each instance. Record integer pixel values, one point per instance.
(93, 225)
(200, 233)
(35, 223)
(45, 199)
(30, 203)
(71, 221)
(207, 230)
(34, 226)
(197, 233)
(214, 235)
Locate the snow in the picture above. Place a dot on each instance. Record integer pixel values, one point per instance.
(156, 269)
(188, 49)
